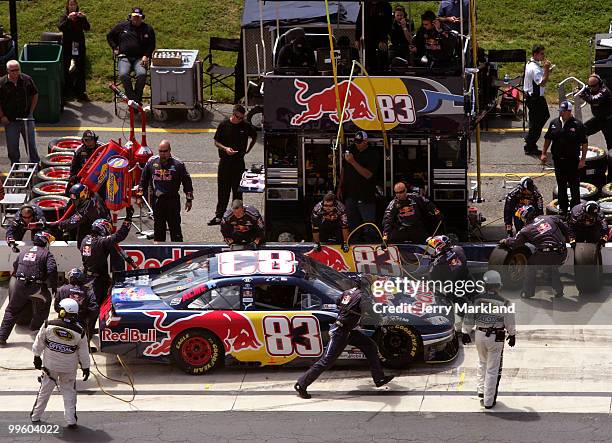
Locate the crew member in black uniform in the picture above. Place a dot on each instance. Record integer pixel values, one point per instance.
(409, 217)
(82, 154)
(231, 139)
(329, 222)
(296, 53)
(435, 41)
(341, 334)
(96, 248)
(22, 222)
(83, 295)
(569, 149)
(525, 194)
(242, 225)
(88, 208)
(598, 95)
(587, 223)
(34, 272)
(548, 234)
(165, 174)
(378, 17)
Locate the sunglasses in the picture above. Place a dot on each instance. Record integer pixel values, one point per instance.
(400, 192)
(163, 150)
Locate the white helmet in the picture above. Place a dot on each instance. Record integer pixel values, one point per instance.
(492, 278)
(70, 306)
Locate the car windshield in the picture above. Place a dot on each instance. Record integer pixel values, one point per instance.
(181, 277)
(321, 275)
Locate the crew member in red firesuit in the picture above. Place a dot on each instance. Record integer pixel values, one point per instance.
(242, 225)
(83, 295)
(29, 217)
(587, 223)
(341, 334)
(525, 194)
(96, 248)
(88, 208)
(81, 155)
(409, 217)
(165, 174)
(548, 234)
(34, 271)
(329, 222)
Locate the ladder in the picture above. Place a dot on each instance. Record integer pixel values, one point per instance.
(18, 186)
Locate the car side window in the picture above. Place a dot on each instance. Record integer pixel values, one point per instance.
(220, 298)
(309, 301)
(270, 297)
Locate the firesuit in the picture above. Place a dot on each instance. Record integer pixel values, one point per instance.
(95, 250)
(410, 220)
(329, 224)
(600, 99)
(86, 299)
(584, 229)
(86, 212)
(33, 270)
(341, 334)
(548, 235)
(520, 197)
(247, 229)
(166, 179)
(62, 344)
(17, 228)
(490, 335)
(81, 156)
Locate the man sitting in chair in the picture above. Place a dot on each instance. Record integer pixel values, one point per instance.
(296, 53)
(133, 42)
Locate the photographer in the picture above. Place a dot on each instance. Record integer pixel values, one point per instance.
(73, 25)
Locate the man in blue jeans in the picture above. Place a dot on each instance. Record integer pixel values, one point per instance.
(358, 184)
(133, 42)
(18, 99)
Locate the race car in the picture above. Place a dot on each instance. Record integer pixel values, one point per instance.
(266, 307)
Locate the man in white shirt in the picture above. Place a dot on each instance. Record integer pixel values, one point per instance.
(536, 77)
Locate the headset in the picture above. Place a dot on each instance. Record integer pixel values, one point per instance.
(599, 79)
(90, 133)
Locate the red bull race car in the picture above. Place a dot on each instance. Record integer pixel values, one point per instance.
(266, 307)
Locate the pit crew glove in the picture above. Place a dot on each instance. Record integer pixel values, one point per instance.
(603, 240)
(129, 213)
(85, 374)
(13, 246)
(345, 247)
(511, 340)
(317, 247)
(572, 243)
(37, 362)
(465, 338)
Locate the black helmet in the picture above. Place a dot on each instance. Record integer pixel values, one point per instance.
(591, 208)
(528, 184)
(78, 192)
(75, 276)
(89, 134)
(101, 226)
(42, 239)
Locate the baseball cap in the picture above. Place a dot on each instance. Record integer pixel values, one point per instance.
(137, 11)
(360, 136)
(565, 106)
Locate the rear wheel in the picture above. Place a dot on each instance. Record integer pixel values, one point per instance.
(398, 346)
(587, 268)
(255, 117)
(197, 351)
(510, 264)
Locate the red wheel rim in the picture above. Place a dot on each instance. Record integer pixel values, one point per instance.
(52, 203)
(53, 188)
(196, 351)
(61, 158)
(57, 173)
(68, 144)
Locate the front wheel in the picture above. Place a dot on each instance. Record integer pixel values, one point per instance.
(197, 351)
(398, 346)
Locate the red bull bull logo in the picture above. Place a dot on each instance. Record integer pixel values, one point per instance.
(234, 329)
(329, 257)
(322, 103)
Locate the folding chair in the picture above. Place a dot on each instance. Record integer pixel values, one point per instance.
(219, 75)
(510, 56)
(117, 81)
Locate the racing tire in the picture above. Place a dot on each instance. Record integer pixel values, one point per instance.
(63, 158)
(197, 351)
(606, 207)
(52, 187)
(52, 206)
(553, 207)
(510, 263)
(54, 173)
(255, 117)
(588, 191)
(606, 190)
(596, 166)
(587, 268)
(398, 346)
(286, 234)
(63, 144)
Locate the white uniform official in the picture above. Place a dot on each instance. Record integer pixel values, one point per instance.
(489, 337)
(62, 343)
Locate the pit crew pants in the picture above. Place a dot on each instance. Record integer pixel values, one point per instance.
(567, 176)
(229, 174)
(19, 297)
(594, 125)
(66, 382)
(167, 211)
(489, 371)
(538, 116)
(550, 262)
(339, 338)
(100, 285)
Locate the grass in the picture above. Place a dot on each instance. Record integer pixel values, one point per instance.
(564, 27)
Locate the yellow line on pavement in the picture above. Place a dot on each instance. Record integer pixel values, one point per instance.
(125, 129)
(505, 174)
(211, 175)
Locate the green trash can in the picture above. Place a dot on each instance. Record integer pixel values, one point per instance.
(43, 62)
